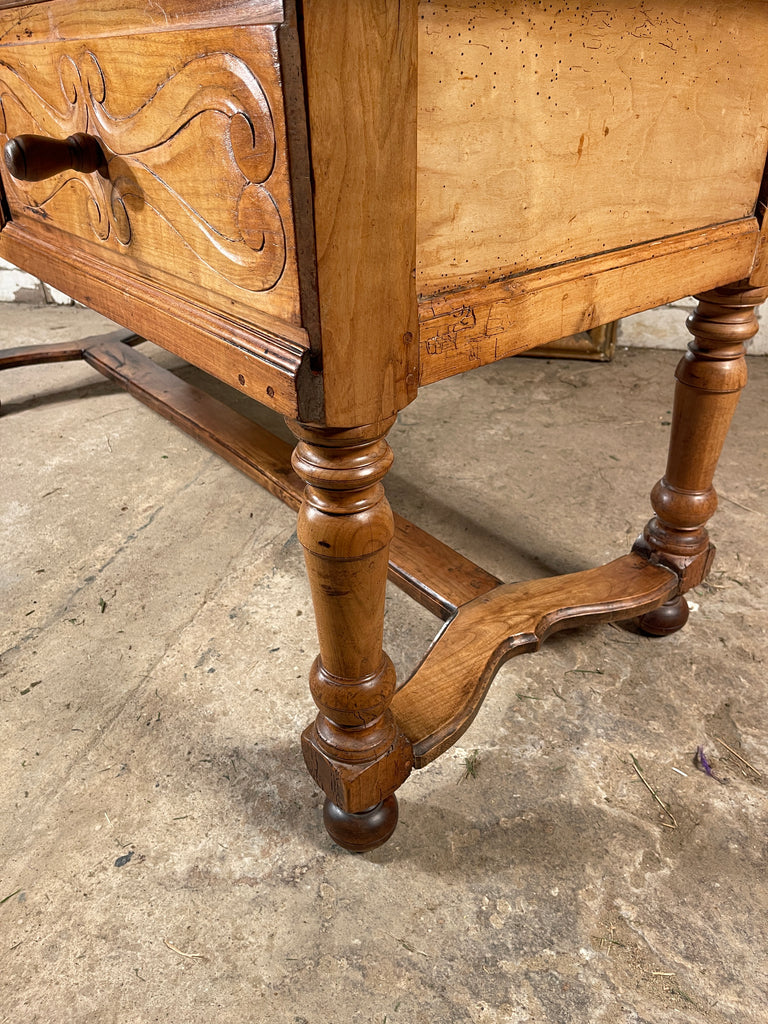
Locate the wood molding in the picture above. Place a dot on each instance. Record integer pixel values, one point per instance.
(462, 330)
(103, 18)
(268, 367)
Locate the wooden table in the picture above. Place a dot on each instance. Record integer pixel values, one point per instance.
(330, 204)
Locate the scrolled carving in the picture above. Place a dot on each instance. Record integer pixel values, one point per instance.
(195, 156)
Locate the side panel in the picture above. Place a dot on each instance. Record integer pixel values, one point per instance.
(548, 134)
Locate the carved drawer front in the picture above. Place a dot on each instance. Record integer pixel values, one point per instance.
(195, 193)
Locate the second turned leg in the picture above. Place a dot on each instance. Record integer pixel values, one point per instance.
(710, 378)
(354, 749)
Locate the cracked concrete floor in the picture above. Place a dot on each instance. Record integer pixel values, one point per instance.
(162, 856)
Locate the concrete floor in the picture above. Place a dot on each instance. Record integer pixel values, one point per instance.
(162, 856)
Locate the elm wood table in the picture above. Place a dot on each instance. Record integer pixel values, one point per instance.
(329, 204)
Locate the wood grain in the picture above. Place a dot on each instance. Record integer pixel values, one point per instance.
(442, 697)
(289, 43)
(354, 750)
(468, 329)
(360, 78)
(759, 276)
(433, 574)
(274, 367)
(36, 157)
(56, 352)
(194, 99)
(308, 199)
(547, 135)
(32, 23)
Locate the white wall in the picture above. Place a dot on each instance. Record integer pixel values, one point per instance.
(665, 328)
(16, 286)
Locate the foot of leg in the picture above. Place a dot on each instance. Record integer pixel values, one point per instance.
(666, 619)
(359, 833)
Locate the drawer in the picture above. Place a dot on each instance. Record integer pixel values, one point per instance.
(192, 208)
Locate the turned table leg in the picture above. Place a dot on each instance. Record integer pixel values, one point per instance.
(710, 378)
(354, 749)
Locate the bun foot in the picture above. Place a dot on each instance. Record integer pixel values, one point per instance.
(666, 619)
(359, 833)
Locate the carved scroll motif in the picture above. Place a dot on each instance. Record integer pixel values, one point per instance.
(196, 155)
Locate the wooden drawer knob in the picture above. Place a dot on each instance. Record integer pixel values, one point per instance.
(35, 157)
